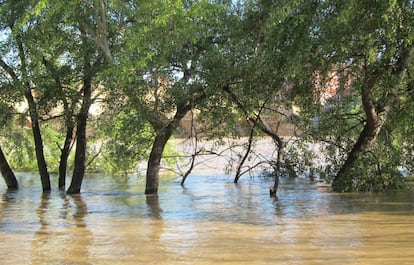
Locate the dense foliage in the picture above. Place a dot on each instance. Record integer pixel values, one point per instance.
(104, 84)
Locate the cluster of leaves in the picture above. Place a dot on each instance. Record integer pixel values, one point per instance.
(21, 151)
(127, 139)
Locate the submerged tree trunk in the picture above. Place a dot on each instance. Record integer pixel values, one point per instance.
(376, 115)
(80, 153)
(154, 161)
(67, 145)
(161, 139)
(246, 154)
(196, 152)
(260, 124)
(34, 116)
(7, 173)
(64, 155)
(366, 141)
(37, 136)
(69, 123)
(376, 118)
(277, 165)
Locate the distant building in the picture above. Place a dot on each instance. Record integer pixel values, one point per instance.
(328, 90)
(332, 87)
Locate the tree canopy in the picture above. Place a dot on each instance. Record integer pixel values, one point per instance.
(111, 82)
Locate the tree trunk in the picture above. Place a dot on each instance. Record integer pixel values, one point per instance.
(80, 153)
(37, 136)
(7, 173)
(259, 123)
(375, 119)
(366, 141)
(154, 161)
(196, 152)
(376, 115)
(34, 116)
(64, 155)
(277, 166)
(161, 139)
(68, 110)
(246, 155)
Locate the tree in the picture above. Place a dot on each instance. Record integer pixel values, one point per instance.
(95, 55)
(370, 47)
(53, 53)
(168, 46)
(268, 49)
(71, 67)
(64, 92)
(383, 52)
(16, 22)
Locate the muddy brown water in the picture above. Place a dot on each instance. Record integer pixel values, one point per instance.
(210, 221)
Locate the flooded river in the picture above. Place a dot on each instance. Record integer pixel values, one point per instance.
(210, 221)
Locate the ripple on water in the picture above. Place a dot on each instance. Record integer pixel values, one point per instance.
(210, 220)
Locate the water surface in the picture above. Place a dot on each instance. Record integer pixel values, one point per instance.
(210, 221)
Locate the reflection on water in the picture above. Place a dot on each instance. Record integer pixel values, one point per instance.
(62, 232)
(210, 221)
